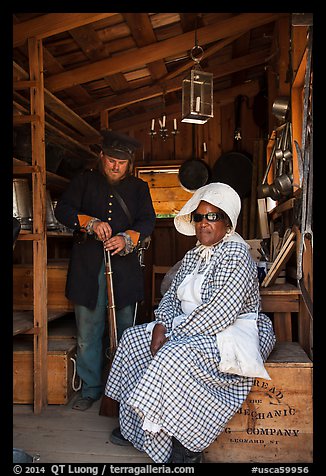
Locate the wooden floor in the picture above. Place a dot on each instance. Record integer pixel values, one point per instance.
(63, 435)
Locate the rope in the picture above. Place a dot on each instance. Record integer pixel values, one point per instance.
(75, 389)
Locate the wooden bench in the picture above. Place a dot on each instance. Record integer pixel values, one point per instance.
(275, 423)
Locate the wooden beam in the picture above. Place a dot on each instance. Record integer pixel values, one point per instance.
(220, 98)
(174, 84)
(58, 107)
(94, 49)
(209, 52)
(143, 34)
(52, 24)
(147, 54)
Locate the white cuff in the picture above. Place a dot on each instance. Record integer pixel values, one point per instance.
(151, 426)
(150, 327)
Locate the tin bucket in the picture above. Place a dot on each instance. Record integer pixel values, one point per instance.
(22, 203)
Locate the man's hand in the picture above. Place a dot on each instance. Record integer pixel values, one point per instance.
(158, 338)
(115, 244)
(102, 230)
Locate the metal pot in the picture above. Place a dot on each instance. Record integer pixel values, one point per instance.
(274, 192)
(263, 190)
(268, 190)
(280, 108)
(22, 203)
(283, 184)
(193, 174)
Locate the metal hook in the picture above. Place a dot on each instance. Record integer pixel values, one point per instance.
(201, 53)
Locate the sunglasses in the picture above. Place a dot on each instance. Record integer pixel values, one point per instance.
(210, 216)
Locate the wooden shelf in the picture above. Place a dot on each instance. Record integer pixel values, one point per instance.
(28, 235)
(20, 167)
(23, 321)
(59, 234)
(287, 289)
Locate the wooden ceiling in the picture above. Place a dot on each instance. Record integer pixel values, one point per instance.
(127, 66)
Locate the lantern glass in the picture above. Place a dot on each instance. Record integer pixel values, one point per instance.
(197, 97)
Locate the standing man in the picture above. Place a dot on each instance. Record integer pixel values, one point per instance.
(106, 207)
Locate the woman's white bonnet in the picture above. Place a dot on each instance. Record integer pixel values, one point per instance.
(218, 194)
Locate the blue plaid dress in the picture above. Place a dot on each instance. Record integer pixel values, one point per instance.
(182, 389)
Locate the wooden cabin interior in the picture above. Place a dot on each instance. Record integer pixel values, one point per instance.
(76, 74)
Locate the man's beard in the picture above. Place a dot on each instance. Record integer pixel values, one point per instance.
(115, 180)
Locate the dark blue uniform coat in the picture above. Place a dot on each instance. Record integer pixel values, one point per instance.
(90, 193)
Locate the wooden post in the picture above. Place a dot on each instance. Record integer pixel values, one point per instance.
(35, 54)
(104, 120)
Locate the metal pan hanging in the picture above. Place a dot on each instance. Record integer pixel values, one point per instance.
(193, 174)
(234, 169)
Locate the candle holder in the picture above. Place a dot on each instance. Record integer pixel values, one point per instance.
(163, 131)
(174, 133)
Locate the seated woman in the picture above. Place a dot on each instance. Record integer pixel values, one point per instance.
(174, 398)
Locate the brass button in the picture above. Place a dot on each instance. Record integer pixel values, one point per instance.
(110, 203)
(109, 219)
(110, 211)
(111, 196)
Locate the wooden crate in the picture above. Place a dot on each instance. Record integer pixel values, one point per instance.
(23, 287)
(275, 423)
(60, 370)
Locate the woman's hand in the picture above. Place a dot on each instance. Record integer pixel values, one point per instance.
(158, 338)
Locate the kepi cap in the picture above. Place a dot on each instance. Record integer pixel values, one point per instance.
(118, 145)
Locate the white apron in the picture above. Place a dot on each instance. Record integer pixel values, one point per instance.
(238, 343)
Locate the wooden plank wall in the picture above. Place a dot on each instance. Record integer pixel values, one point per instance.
(217, 133)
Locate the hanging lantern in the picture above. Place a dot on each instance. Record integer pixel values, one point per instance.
(197, 94)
